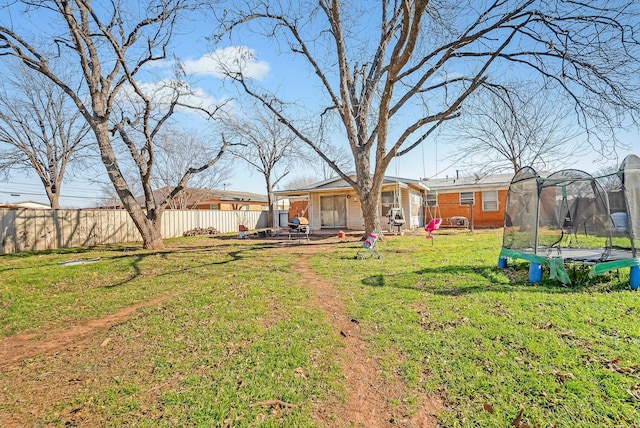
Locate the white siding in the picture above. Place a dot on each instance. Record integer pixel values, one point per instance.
(355, 221)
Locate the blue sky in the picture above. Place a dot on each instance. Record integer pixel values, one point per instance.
(273, 70)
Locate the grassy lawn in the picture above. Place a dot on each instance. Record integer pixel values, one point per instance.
(239, 328)
(238, 331)
(445, 319)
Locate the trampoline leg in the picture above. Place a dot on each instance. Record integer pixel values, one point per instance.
(535, 272)
(502, 262)
(634, 277)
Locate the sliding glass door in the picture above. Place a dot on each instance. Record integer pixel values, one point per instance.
(333, 211)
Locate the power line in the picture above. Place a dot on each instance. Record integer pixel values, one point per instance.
(20, 193)
(39, 185)
(30, 189)
(34, 191)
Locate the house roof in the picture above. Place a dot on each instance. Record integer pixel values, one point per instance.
(338, 183)
(472, 181)
(26, 204)
(205, 195)
(231, 195)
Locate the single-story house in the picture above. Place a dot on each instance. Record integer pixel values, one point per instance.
(207, 199)
(334, 204)
(460, 200)
(229, 200)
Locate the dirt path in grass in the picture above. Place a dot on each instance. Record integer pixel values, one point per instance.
(369, 397)
(372, 401)
(15, 349)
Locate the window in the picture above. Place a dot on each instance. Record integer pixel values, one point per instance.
(244, 207)
(214, 206)
(415, 204)
(490, 200)
(466, 198)
(265, 208)
(387, 199)
(432, 199)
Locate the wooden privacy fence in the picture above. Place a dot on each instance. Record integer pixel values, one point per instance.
(28, 229)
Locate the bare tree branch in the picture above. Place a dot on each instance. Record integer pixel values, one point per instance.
(395, 69)
(40, 130)
(109, 47)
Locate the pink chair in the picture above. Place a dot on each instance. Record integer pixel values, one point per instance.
(433, 225)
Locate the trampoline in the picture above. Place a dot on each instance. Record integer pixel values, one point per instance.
(571, 216)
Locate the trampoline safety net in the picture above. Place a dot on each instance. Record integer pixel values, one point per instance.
(573, 215)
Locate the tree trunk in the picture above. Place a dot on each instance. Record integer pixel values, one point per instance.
(147, 223)
(54, 200)
(368, 189)
(52, 191)
(369, 203)
(270, 202)
(152, 237)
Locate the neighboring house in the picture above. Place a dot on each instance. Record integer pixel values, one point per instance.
(205, 199)
(453, 200)
(228, 200)
(26, 204)
(333, 204)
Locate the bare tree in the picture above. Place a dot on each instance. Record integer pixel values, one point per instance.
(107, 198)
(393, 71)
(609, 178)
(40, 129)
(267, 145)
(340, 156)
(300, 182)
(113, 47)
(503, 130)
(176, 151)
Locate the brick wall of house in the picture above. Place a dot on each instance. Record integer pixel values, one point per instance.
(449, 206)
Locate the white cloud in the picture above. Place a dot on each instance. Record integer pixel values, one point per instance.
(231, 59)
(163, 92)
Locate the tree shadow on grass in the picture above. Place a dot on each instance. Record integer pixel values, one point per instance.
(456, 280)
(136, 256)
(230, 257)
